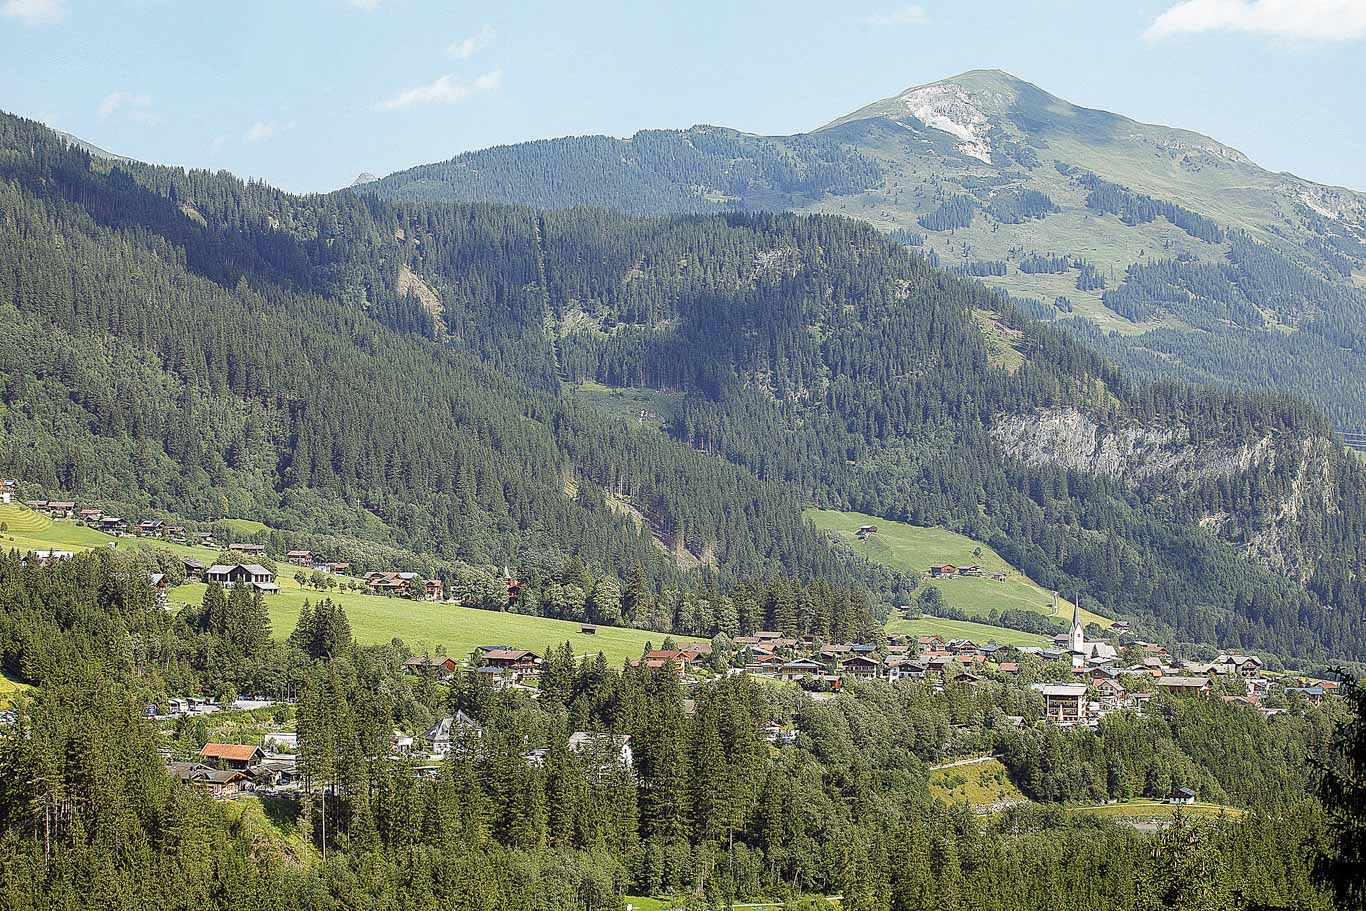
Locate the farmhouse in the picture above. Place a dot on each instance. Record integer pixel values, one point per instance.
(300, 557)
(512, 659)
(63, 509)
(943, 569)
(860, 666)
(801, 669)
(1199, 686)
(252, 575)
(438, 666)
(232, 755)
(256, 549)
(220, 783)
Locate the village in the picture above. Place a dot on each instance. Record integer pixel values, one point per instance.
(1100, 683)
(1078, 682)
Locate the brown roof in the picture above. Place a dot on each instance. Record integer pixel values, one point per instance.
(233, 752)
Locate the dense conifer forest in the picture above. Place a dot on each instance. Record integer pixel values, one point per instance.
(186, 342)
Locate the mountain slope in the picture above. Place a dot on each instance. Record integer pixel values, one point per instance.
(1075, 210)
(186, 341)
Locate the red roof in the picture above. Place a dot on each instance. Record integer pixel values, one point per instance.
(233, 752)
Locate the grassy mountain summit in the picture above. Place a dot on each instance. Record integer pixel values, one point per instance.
(1172, 252)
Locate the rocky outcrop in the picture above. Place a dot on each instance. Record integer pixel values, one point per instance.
(1167, 456)
(1133, 453)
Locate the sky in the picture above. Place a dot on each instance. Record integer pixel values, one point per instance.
(306, 94)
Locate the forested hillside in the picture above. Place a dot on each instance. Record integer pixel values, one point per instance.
(209, 347)
(1175, 254)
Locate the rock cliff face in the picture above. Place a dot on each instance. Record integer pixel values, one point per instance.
(1167, 458)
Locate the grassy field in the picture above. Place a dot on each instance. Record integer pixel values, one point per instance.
(911, 549)
(658, 407)
(373, 619)
(979, 784)
(981, 633)
(244, 527)
(426, 625)
(8, 688)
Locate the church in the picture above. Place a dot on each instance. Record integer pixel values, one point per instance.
(1083, 652)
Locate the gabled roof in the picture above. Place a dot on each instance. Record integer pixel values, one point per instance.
(232, 752)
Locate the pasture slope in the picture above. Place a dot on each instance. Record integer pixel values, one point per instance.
(911, 549)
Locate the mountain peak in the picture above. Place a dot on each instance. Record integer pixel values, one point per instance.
(363, 178)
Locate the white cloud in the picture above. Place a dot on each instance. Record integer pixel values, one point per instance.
(467, 48)
(35, 12)
(262, 130)
(136, 106)
(444, 90)
(907, 15)
(1300, 20)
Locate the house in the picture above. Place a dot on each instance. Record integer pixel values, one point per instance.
(1184, 686)
(778, 735)
(158, 581)
(6, 496)
(607, 748)
(588, 629)
(458, 731)
(336, 569)
(1109, 691)
(300, 557)
(1242, 665)
(1009, 667)
(762, 663)
(113, 525)
(964, 677)
(1183, 796)
(90, 516)
(44, 557)
(864, 531)
(433, 589)
(253, 549)
(929, 643)
(835, 652)
(905, 669)
(1064, 703)
(518, 661)
(974, 570)
(204, 538)
(149, 528)
(253, 575)
(62, 509)
(232, 755)
(942, 569)
(220, 783)
(193, 568)
(1312, 693)
(800, 669)
(438, 666)
(861, 666)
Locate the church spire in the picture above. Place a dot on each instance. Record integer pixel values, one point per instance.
(1076, 639)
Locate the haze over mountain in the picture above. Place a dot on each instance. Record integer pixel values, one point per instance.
(1167, 249)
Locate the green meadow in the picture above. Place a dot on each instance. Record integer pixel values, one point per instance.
(911, 549)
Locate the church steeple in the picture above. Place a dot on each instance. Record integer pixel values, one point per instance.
(1076, 639)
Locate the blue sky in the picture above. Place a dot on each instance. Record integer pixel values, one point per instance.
(308, 93)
